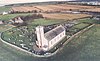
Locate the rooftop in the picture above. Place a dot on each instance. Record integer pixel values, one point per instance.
(54, 32)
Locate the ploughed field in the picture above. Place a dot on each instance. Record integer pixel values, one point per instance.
(65, 16)
(85, 47)
(54, 8)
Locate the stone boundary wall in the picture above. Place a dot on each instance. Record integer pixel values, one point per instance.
(87, 28)
(33, 54)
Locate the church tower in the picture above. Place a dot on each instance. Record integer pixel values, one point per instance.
(40, 36)
(41, 41)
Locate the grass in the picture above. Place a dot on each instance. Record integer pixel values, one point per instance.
(13, 36)
(77, 28)
(5, 27)
(5, 8)
(87, 20)
(10, 16)
(85, 47)
(45, 22)
(81, 25)
(8, 53)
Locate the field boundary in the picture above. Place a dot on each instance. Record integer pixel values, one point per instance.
(78, 34)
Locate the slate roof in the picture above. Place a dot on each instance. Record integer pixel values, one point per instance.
(54, 32)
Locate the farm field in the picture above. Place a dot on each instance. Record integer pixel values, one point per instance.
(24, 9)
(45, 22)
(87, 20)
(10, 16)
(65, 16)
(58, 16)
(54, 8)
(76, 28)
(6, 9)
(86, 47)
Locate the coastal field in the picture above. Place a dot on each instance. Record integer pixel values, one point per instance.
(54, 8)
(85, 47)
(65, 16)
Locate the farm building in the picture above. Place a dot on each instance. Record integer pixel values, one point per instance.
(17, 20)
(4, 13)
(46, 41)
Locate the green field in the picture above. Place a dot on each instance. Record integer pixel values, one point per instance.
(81, 25)
(5, 8)
(76, 28)
(45, 22)
(10, 16)
(87, 20)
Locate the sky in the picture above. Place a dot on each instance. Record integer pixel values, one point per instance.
(4, 2)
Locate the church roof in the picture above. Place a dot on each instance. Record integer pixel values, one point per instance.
(54, 32)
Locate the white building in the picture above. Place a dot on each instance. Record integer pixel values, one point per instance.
(17, 20)
(46, 41)
(4, 13)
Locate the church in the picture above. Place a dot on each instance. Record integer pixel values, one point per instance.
(46, 41)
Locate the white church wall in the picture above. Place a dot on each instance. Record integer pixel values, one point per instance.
(45, 43)
(56, 40)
